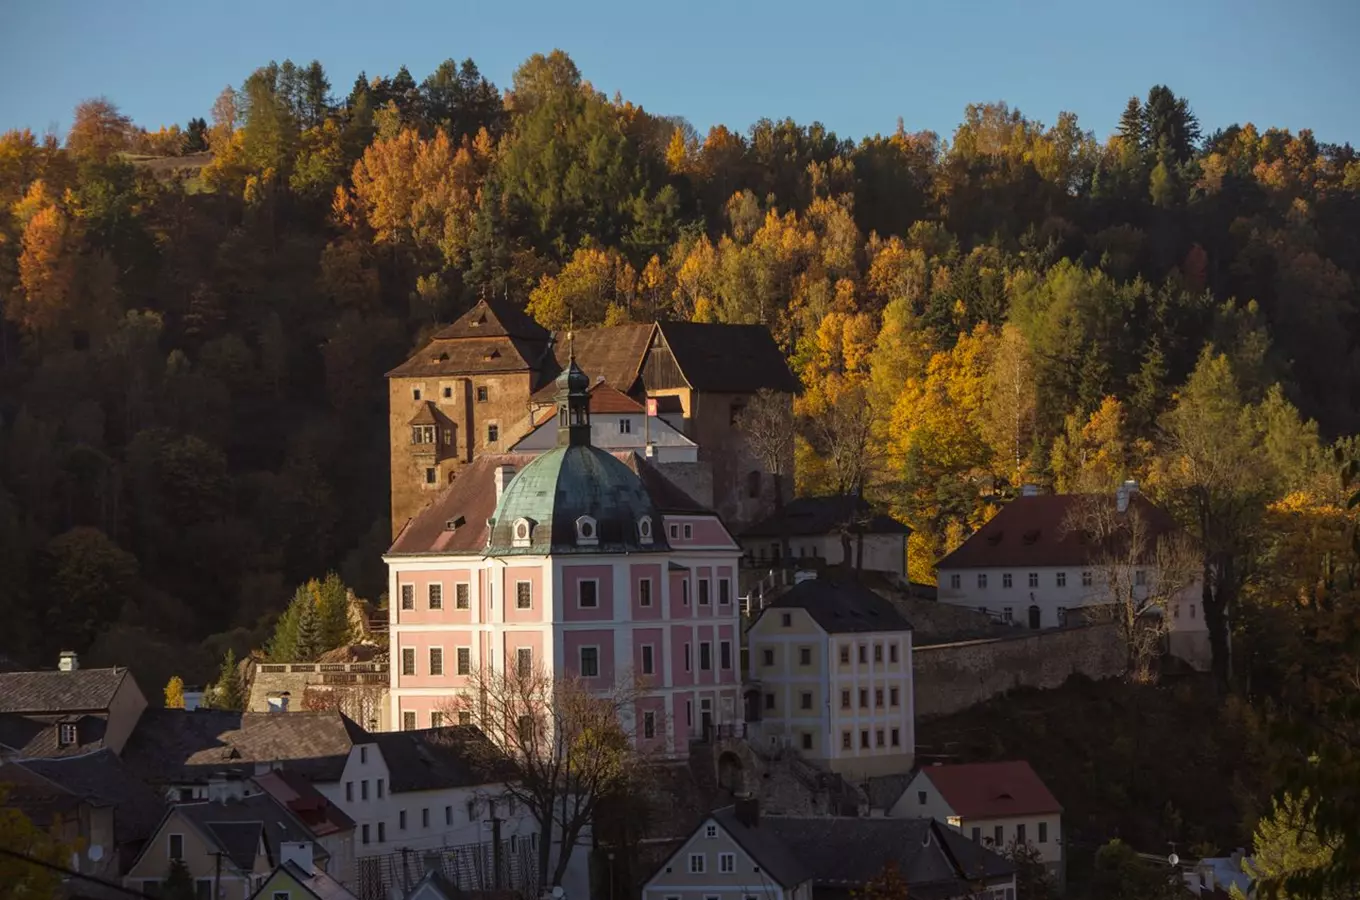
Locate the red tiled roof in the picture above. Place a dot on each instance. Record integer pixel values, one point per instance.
(992, 790)
(1034, 531)
(603, 401)
(614, 353)
(307, 803)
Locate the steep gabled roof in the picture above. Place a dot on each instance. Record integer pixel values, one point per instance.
(614, 353)
(1034, 531)
(82, 690)
(294, 791)
(763, 845)
(728, 358)
(809, 516)
(992, 790)
(438, 758)
(841, 607)
(493, 336)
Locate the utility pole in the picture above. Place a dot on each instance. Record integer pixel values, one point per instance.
(497, 858)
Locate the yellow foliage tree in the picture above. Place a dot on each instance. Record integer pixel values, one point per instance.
(19, 834)
(174, 693)
(582, 293)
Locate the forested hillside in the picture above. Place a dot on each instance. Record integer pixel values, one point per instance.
(197, 319)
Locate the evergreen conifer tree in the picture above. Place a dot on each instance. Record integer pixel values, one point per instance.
(227, 692)
(309, 631)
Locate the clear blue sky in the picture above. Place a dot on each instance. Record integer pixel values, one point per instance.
(854, 66)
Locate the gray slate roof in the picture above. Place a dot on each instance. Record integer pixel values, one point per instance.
(235, 826)
(841, 606)
(885, 790)
(434, 758)
(102, 779)
(31, 735)
(809, 516)
(175, 745)
(764, 846)
(84, 690)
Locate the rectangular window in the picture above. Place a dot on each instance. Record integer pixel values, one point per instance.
(464, 660)
(349, 792)
(1140, 577)
(897, 737)
(878, 653)
(863, 698)
(408, 596)
(431, 475)
(982, 579)
(807, 741)
(845, 699)
(845, 655)
(684, 591)
(703, 592)
(878, 738)
(675, 531)
(1062, 616)
(422, 434)
(524, 595)
(436, 596)
(645, 592)
(806, 700)
(401, 820)
(379, 785)
(648, 660)
(894, 697)
(1007, 614)
(1061, 578)
(363, 789)
(864, 739)
(649, 725)
(481, 393)
(493, 433)
(365, 834)
(705, 656)
(588, 594)
(689, 531)
(1020, 833)
(625, 426)
(1085, 579)
(892, 653)
(878, 696)
(1006, 580)
(408, 660)
(689, 713)
(436, 719)
(804, 656)
(176, 849)
(204, 891)
(977, 835)
(436, 660)
(999, 837)
(448, 815)
(710, 831)
(465, 718)
(769, 701)
(696, 864)
(847, 742)
(524, 661)
(1192, 610)
(725, 654)
(767, 657)
(786, 620)
(955, 581)
(408, 721)
(461, 596)
(382, 832)
(724, 591)
(863, 655)
(425, 817)
(1034, 579)
(1043, 832)
(727, 862)
(689, 659)
(590, 662)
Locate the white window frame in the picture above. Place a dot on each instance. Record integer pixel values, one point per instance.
(982, 580)
(727, 863)
(170, 845)
(462, 595)
(1061, 579)
(520, 666)
(458, 661)
(645, 596)
(955, 581)
(584, 524)
(710, 830)
(519, 601)
(1006, 580)
(413, 672)
(408, 595)
(625, 425)
(698, 863)
(434, 595)
(429, 658)
(648, 659)
(522, 534)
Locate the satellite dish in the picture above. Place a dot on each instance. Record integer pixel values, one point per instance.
(95, 853)
(1174, 860)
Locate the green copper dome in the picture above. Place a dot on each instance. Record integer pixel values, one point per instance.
(575, 499)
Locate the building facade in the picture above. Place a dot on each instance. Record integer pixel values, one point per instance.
(479, 386)
(572, 562)
(1029, 565)
(618, 424)
(831, 676)
(836, 530)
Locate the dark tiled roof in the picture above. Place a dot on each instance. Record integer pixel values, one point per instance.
(614, 353)
(294, 791)
(827, 515)
(174, 745)
(841, 606)
(1034, 531)
(84, 690)
(494, 318)
(885, 790)
(973, 861)
(472, 497)
(36, 735)
(764, 846)
(993, 790)
(235, 826)
(37, 797)
(437, 758)
(728, 358)
(102, 778)
(490, 337)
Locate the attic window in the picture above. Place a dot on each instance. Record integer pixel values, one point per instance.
(479, 321)
(523, 532)
(1031, 537)
(66, 734)
(443, 357)
(587, 533)
(455, 524)
(645, 529)
(494, 354)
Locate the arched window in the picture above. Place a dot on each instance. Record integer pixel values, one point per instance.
(587, 531)
(645, 529)
(523, 532)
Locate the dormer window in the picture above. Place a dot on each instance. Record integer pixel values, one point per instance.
(587, 533)
(645, 529)
(422, 434)
(523, 532)
(66, 734)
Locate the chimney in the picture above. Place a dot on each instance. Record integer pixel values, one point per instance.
(748, 810)
(1029, 490)
(68, 661)
(297, 852)
(1126, 490)
(504, 474)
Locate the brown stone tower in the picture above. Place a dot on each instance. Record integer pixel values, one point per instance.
(465, 392)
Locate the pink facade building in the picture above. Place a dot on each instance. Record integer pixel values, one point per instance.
(576, 561)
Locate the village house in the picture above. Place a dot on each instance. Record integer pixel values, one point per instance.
(299, 878)
(1031, 565)
(993, 804)
(571, 562)
(831, 676)
(736, 853)
(67, 712)
(480, 385)
(820, 528)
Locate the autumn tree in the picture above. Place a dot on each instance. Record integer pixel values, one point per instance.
(174, 693)
(560, 746)
(886, 885)
(98, 130)
(21, 835)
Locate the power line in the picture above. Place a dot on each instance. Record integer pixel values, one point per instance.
(72, 873)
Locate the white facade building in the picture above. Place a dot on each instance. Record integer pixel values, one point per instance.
(1029, 567)
(618, 423)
